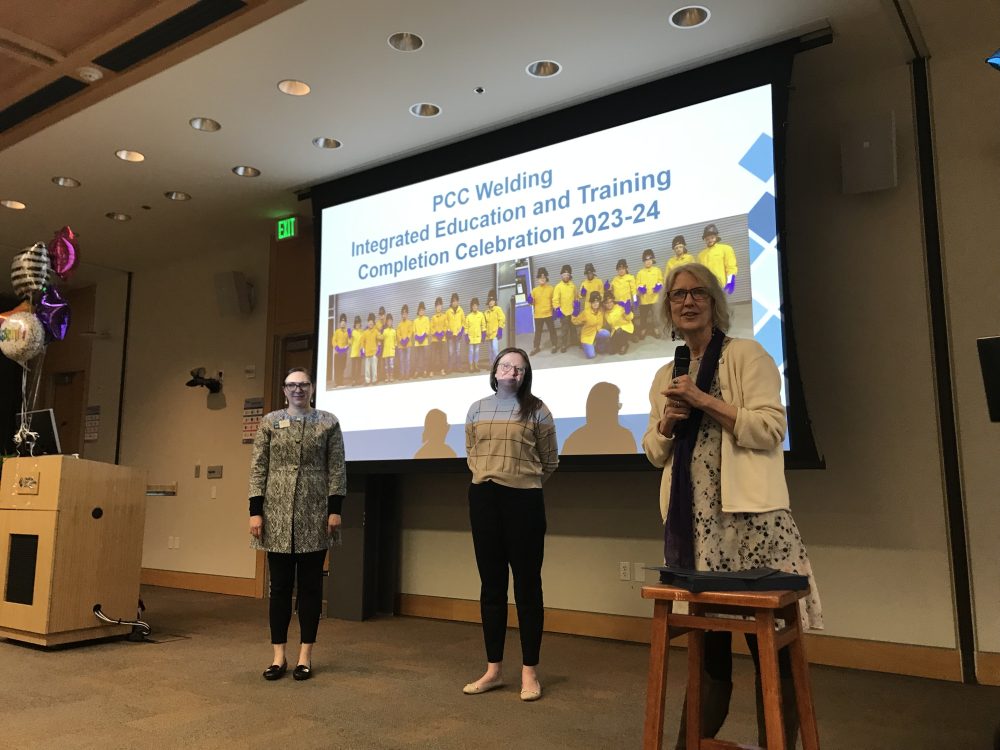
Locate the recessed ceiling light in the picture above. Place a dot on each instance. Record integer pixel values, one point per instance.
(118, 216)
(206, 124)
(246, 171)
(425, 109)
(125, 155)
(66, 182)
(13, 205)
(404, 41)
(293, 87)
(543, 68)
(690, 17)
(327, 143)
(479, 90)
(177, 195)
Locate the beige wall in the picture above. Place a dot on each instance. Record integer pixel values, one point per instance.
(168, 428)
(106, 363)
(966, 100)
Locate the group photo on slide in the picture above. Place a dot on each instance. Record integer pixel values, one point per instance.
(585, 304)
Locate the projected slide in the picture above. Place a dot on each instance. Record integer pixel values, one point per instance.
(562, 252)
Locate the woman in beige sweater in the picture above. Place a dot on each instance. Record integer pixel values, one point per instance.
(718, 434)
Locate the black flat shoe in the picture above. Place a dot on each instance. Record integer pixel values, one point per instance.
(302, 672)
(274, 672)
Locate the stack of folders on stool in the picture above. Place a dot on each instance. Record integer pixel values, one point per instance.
(756, 579)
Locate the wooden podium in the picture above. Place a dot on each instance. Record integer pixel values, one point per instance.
(70, 538)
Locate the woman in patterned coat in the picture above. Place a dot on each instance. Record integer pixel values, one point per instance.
(297, 486)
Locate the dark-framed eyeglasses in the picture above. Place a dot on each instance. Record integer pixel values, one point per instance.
(505, 367)
(698, 294)
(298, 386)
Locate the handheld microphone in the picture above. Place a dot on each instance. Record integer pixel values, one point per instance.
(682, 360)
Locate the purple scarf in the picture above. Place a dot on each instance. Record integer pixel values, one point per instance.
(678, 532)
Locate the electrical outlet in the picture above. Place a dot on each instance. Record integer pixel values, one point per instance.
(639, 572)
(177, 542)
(170, 542)
(212, 494)
(197, 470)
(624, 571)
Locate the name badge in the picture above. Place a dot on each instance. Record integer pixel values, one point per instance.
(284, 423)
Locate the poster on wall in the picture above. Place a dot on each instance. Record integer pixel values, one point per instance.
(253, 410)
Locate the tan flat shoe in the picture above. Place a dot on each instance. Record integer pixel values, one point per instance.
(531, 695)
(475, 688)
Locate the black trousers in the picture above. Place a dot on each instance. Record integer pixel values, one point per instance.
(647, 321)
(719, 656)
(339, 365)
(551, 325)
(304, 570)
(508, 530)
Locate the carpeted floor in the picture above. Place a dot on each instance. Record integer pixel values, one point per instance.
(396, 683)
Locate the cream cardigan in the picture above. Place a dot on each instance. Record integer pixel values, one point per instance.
(753, 461)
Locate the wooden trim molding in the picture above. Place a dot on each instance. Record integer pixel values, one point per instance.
(850, 653)
(988, 668)
(178, 579)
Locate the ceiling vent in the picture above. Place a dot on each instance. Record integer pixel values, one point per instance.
(32, 104)
(168, 33)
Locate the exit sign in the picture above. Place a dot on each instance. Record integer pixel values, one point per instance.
(288, 228)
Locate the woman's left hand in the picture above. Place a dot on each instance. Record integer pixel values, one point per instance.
(683, 390)
(332, 523)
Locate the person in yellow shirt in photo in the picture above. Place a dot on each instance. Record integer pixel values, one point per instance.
(541, 303)
(681, 254)
(495, 323)
(565, 305)
(475, 329)
(455, 318)
(404, 342)
(341, 343)
(719, 258)
(357, 362)
(388, 348)
(369, 350)
(421, 342)
(618, 325)
(649, 284)
(380, 361)
(591, 283)
(591, 322)
(439, 347)
(623, 286)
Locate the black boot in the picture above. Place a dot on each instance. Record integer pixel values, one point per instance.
(789, 713)
(715, 696)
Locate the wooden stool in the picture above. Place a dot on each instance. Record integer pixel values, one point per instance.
(763, 607)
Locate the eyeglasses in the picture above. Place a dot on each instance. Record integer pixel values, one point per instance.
(504, 367)
(298, 386)
(698, 294)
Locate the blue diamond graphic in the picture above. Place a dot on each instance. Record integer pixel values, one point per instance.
(759, 311)
(755, 250)
(761, 218)
(770, 338)
(759, 160)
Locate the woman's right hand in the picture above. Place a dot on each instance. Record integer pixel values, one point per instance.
(256, 526)
(673, 412)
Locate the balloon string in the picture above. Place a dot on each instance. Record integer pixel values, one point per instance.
(24, 435)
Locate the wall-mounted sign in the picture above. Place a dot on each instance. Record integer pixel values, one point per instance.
(288, 228)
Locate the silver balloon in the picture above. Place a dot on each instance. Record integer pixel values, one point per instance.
(29, 270)
(22, 337)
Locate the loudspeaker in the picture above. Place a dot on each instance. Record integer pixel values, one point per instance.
(868, 154)
(234, 293)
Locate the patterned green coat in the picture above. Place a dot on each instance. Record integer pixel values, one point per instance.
(297, 463)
